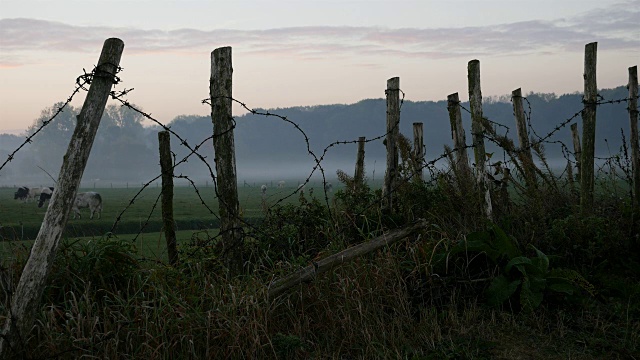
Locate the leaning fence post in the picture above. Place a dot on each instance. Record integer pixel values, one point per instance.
(359, 174)
(225, 157)
(577, 149)
(26, 298)
(393, 125)
(477, 130)
(458, 136)
(523, 139)
(166, 166)
(418, 151)
(588, 128)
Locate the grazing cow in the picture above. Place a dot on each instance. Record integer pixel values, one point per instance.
(22, 193)
(45, 195)
(34, 193)
(91, 200)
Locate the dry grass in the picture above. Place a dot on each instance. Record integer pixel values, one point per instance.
(414, 300)
(362, 310)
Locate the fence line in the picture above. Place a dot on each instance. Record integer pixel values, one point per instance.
(194, 151)
(232, 223)
(119, 96)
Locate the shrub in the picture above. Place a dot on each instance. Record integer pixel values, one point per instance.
(106, 264)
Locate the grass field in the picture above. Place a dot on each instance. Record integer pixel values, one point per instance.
(20, 222)
(438, 294)
(150, 245)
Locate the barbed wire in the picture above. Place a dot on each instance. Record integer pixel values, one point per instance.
(193, 151)
(86, 78)
(428, 165)
(81, 81)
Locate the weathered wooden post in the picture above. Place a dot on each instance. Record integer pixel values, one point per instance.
(523, 139)
(577, 149)
(166, 166)
(26, 298)
(588, 128)
(220, 89)
(633, 123)
(477, 129)
(418, 151)
(359, 173)
(570, 179)
(331, 262)
(393, 129)
(458, 136)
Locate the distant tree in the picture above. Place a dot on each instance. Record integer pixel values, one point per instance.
(121, 151)
(122, 117)
(50, 144)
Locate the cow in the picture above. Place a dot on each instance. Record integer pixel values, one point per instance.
(34, 193)
(45, 195)
(91, 200)
(22, 193)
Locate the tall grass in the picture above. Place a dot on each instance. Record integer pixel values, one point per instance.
(427, 297)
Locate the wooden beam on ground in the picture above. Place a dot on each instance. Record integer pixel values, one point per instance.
(310, 272)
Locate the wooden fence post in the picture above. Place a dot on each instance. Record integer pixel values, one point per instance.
(359, 174)
(570, 179)
(169, 225)
(477, 130)
(588, 128)
(523, 139)
(330, 262)
(225, 157)
(26, 298)
(577, 149)
(418, 151)
(393, 125)
(635, 145)
(458, 136)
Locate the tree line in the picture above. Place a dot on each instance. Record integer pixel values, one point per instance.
(127, 150)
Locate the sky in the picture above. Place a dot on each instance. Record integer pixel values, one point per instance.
(302, 53)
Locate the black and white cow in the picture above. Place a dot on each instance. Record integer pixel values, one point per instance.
(22, 194)
(45, 195)
(91, 200)
(34, 193)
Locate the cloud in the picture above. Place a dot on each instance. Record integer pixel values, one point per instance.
(616, 26)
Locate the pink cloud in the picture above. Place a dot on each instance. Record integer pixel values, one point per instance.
(612, 26)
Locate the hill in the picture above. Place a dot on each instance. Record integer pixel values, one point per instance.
(268, 148)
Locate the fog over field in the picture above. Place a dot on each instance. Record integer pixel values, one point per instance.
(270, 149)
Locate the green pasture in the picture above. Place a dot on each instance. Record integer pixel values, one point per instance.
(139, 221)
(193, 211)
(151, 245)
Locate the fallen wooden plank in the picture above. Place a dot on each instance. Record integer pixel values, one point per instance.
(279, 286)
